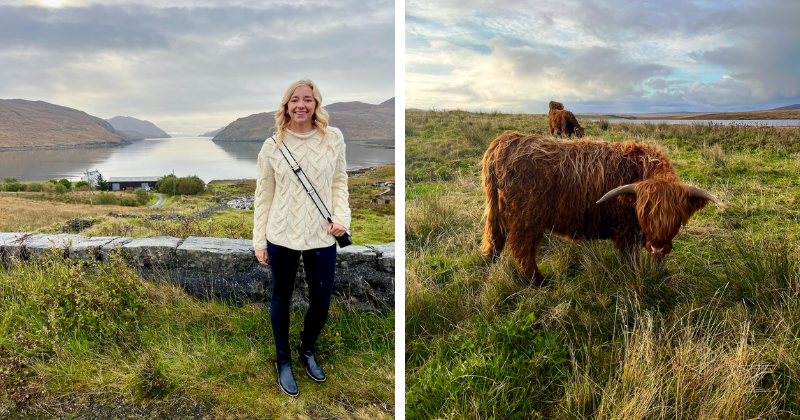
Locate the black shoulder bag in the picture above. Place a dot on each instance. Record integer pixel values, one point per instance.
(343, 240)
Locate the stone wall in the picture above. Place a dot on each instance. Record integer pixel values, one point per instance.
(218, 267)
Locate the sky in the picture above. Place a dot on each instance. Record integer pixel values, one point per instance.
(192, 66)
(602, 56)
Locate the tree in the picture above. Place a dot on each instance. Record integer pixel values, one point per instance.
(65, 182)
(102, 184)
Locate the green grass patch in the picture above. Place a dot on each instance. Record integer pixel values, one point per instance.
(713, 331)
(102, 331)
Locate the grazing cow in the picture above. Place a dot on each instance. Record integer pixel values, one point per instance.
(538, 184)
(564, 122)
(554, 105)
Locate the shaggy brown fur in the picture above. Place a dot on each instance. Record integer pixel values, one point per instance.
(537, 184)
(564, 122)
(554, 105)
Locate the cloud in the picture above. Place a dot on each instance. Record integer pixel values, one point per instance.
(193, 69)
(692, 54)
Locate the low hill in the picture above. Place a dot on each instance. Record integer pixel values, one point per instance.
(748, 115)
(212, 133)
(145, 128)
(787, 108)
(357, 120)
(41, 125)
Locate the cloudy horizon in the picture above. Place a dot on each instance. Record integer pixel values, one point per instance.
(191, 67)
(602, 56)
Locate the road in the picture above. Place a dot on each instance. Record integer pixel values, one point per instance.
(162, 199)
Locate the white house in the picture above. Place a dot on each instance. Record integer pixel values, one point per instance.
(90, 175)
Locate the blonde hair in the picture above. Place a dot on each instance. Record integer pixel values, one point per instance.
(319, 119)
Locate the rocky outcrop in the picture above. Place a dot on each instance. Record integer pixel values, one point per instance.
(218, 267)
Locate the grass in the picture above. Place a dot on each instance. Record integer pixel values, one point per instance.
(104, 332)
(45, 213)
(714, 332)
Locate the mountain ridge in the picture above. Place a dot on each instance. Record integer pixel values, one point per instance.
(357, 121)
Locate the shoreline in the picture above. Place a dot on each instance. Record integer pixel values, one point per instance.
(65, 147)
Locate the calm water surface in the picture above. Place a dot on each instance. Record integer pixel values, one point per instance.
(156, 157)
(724, 122)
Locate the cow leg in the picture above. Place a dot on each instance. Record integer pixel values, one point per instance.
(524, 254)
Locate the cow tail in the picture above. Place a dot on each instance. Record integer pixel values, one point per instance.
(494, 233)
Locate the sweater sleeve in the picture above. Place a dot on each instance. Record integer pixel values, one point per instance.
(339, 191)
(265, 189)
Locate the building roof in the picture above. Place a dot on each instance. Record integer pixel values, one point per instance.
(133, 179)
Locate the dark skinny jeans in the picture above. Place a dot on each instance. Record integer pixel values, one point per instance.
(319, 267)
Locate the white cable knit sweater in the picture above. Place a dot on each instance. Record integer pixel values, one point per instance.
(284, 213)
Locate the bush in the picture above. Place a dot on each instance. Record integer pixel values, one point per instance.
(47, 187)
(191, 185)
(12, 185)
(142, 197)
(128, 202)
(34, 187)
(53, 181)
(106, 198)
(167, 184)
(65, 182)
(80, 184)
(60, 189)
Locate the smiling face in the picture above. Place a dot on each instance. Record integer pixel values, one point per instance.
(301, 106)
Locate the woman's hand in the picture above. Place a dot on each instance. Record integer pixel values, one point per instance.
(336, 229)
(261, 256)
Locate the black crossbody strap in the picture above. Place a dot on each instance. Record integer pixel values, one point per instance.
(309, 187)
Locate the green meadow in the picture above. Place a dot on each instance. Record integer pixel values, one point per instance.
(713, 332)
(79, 340)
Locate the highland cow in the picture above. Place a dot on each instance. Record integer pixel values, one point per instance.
(553, 105)
(582, 189)
(564, 122)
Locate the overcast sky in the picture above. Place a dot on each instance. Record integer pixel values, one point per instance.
(603, 56)
(193, 66)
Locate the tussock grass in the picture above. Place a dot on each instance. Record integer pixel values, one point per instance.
(102, 331)
(713, 331)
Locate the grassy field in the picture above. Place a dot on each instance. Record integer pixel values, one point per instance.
(46, 212)
(712, 333)
(104, 335)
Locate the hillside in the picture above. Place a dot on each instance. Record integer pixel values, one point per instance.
(146, 129)
(357, 120)
(212, 133)
(787, 108)
(41, 125)
(749, 115)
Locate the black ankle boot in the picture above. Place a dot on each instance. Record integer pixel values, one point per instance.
(313, 369)
(285, 376)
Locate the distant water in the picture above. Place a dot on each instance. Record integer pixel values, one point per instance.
(724, 122)
(156, 157)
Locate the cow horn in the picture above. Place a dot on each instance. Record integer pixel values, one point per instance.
(625, 189)
(701, 193)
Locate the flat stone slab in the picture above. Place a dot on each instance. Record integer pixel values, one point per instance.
(8, 238)
(222, 256)
(385, 256)
(39, 244)
(158, 251)
(353, 255)
(89, 248)
(106, 250)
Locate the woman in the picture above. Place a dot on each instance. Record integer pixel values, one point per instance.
(288, 224)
